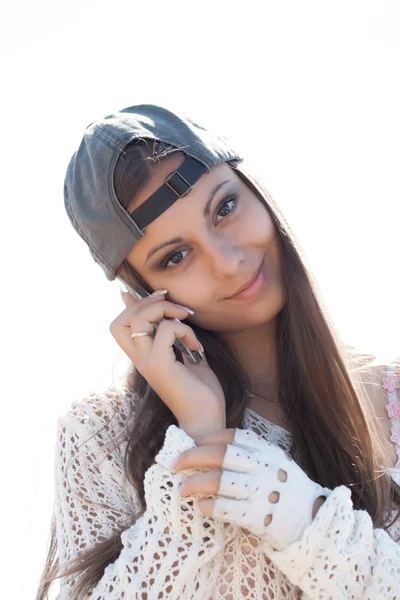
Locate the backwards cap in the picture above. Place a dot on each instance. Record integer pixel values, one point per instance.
(89, 195)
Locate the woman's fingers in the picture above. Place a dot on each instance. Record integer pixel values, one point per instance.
(151, 350)
(128, 299)
(168, 332)
(141, 318)
(201, 457)
(148, 310)
(204, 483)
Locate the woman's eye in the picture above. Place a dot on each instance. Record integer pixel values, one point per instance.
(170, 258)
(231, 200)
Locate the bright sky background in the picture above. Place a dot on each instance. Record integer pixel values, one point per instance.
(307, 91)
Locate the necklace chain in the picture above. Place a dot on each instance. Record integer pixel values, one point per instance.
(265, 398)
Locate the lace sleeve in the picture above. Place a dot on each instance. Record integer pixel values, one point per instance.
(341, 555)
(92, 498)
(171, 548)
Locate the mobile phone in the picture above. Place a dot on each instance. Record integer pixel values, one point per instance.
(139, 293)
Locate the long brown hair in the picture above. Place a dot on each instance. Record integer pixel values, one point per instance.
(335, 434)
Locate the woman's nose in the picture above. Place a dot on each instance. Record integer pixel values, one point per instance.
(225, 257)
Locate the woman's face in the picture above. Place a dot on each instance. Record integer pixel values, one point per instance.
(219, 251)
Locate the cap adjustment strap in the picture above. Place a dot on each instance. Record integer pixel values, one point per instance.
(177, 185)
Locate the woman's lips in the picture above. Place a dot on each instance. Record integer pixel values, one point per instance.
(254, 286)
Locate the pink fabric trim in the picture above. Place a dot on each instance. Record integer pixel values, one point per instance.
(391, 382)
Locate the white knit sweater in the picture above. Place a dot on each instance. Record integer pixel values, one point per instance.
(174, 552)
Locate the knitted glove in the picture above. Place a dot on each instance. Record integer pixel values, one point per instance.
(251, 470)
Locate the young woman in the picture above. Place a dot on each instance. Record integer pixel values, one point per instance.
(270, 468)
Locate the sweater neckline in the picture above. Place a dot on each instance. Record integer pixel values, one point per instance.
(269, 423)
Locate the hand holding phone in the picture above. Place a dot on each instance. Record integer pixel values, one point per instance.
(140, 293)
(191, 390)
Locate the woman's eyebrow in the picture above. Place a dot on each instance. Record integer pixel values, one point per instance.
(179, 240)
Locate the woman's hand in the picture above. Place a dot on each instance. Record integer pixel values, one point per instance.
(258, 486)
(191, 391)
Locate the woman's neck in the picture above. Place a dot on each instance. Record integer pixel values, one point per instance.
(255, 350)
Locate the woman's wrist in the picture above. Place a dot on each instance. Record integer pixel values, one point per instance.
(195, 430)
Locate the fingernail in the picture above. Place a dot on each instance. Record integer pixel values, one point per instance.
(201, 347)
(185, 308)
(158, 293)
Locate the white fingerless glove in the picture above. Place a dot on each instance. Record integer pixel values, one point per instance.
(249, 475)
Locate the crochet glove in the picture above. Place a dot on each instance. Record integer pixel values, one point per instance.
(251, 470)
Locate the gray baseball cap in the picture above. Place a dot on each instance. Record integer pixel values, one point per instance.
(89, 195)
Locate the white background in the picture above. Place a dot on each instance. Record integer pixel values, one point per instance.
(307, 91)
